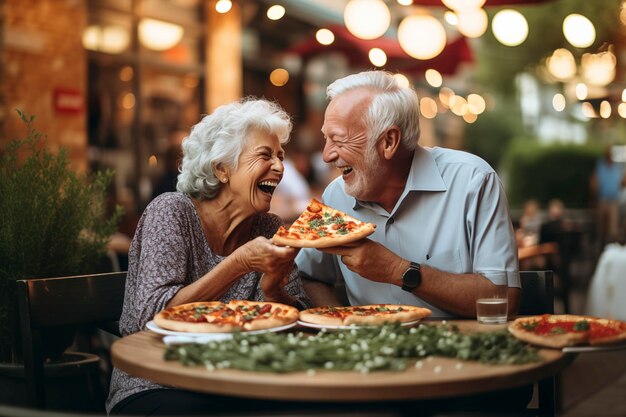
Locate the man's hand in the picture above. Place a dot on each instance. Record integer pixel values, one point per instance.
(371, 260)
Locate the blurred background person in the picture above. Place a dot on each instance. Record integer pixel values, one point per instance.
(606, 185)
(529, 224)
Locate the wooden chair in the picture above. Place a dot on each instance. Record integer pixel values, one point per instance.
(538, 298)
(65, 301)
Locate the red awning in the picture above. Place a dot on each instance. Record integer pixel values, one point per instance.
(356, 50)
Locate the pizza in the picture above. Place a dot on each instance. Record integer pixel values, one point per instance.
(218, 317)
(321, 226)
(561, 330)
(367, 314)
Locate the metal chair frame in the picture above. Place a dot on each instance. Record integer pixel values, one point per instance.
(64, 301)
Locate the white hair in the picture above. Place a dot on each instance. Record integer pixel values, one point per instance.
(391, 105)
(220, 137)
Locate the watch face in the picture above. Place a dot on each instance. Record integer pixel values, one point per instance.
(411, 278)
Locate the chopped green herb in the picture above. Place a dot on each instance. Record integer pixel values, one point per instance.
(582, 326)
(558, 330)
(386, 347)
(342, 231)
(530, 326)
(315, 223)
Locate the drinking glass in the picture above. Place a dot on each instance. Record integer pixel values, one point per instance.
(492, 304)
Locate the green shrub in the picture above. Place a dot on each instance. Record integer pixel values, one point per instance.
(52, 219)
(543, 172)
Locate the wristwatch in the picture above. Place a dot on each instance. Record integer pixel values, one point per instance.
(412, 277)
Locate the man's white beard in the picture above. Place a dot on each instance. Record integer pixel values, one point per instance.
(365, 180)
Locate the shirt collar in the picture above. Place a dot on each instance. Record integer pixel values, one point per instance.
(424, 175)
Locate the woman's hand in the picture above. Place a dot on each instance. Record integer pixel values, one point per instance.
(262, 255)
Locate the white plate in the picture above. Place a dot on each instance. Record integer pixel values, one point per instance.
(342, 327)
(155, 328)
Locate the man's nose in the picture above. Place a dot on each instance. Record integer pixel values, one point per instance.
(330, 152)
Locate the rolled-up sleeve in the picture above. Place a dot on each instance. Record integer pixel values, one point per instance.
(492, 240)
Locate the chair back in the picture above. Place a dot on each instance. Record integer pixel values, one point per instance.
(64, 301)
(538, 298)
(537, 293)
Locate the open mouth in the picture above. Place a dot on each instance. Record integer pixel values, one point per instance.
(268, 186)
(345, 170)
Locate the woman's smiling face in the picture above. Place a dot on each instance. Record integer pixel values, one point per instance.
(259, 170)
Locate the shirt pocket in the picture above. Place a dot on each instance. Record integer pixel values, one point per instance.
(448, 261)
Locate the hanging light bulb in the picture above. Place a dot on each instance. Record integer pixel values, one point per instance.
(401, 80)
(421, 36)
(462, 5)
(367, 19)
(378, 57)
(472, 23)
(605, 109)
(579, 31)
(275, 12)
(598, 69)
(509, 27)
(159, 35)
(558, 102)
(433, 77)
(325, 36)
(562, 64)
(223, 6)
(581, 91)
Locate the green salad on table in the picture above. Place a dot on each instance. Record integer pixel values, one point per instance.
(377, 348)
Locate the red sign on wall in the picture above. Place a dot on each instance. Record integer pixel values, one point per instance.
(67, 100)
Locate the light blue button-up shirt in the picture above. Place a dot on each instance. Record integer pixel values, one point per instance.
(453, 215)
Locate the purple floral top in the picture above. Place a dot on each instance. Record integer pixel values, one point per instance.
(169, 251)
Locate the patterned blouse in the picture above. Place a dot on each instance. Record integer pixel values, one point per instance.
(169, 251)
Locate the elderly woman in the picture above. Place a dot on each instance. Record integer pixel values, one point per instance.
(211, 239)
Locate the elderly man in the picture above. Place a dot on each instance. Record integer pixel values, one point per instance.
(443, 226)
(443, 231)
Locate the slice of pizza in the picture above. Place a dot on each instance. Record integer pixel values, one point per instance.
(374, 314)
(218, 317)
(258, 315)
(321, 226)
(199, 317)
(561, 330)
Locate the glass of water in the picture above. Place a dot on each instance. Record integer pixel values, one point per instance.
(492, 304)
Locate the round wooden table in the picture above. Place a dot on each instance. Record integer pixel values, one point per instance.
(141, 355)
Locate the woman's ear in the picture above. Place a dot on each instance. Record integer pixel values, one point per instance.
(221, 172)
(390, 142)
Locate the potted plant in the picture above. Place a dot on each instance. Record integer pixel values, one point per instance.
(53, 222)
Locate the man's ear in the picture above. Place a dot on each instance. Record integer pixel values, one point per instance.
(390, 142)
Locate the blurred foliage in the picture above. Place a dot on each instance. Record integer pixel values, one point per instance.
(52, 219)
(542, 172)
(498, 65)
(492, 132)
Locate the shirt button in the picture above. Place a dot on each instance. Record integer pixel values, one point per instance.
(391, 220)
